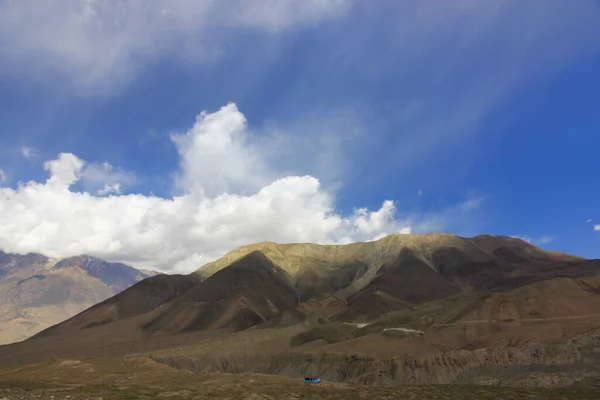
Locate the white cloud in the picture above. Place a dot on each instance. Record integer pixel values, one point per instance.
(330, 144)
(99, 43)
(471, 204)
(216, 156)
(64, 171)
(99, 178)
(220, 207)
(589, 220)
(371, 222)
(525, 238)
(28, 152)
(537, 241)
(597, 227)
(108, 189)
(105, 179)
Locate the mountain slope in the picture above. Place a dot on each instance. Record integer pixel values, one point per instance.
(248, 292)
(135, 301)
(356, 282)
(345, 270)
(415, 301)
(37, 292)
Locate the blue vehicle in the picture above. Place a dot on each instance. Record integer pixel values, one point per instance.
(312, 380)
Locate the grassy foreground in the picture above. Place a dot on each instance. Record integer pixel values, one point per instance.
(250, 387)
(141, 378)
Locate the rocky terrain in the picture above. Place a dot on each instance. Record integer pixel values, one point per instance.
(37, 292)
(403, 310)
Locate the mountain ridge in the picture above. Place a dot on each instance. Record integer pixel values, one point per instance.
(325, 262)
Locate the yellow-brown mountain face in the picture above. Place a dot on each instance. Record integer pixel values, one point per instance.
(37, 292)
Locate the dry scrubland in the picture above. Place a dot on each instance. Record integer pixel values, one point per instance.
(139, 378)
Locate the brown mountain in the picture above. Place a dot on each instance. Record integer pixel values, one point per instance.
(37, 292)
(430, 308)
(344, 271)
(250, 291)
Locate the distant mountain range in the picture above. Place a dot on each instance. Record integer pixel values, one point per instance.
(37, 292)
(432, 308)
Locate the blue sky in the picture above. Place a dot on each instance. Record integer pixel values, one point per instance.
(471, 117)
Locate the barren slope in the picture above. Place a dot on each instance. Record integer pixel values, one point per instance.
(37, 292)
(138, 300)
(248, 292)
(344, 270)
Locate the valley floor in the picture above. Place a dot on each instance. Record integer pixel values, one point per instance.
(139, 378)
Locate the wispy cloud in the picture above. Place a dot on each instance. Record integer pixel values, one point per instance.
(471, 204)
(101, 44)
(597, 227)
(3, 177)
(28, 152)
(105, 179)
(458, 218)
(537, 240)
(433, 50)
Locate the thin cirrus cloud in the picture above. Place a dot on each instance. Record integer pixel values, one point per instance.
(101, 44)
(466, 58)
(28, 152)
(429, 50)
(215, 212)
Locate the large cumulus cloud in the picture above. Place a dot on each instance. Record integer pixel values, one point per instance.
(229, 195)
